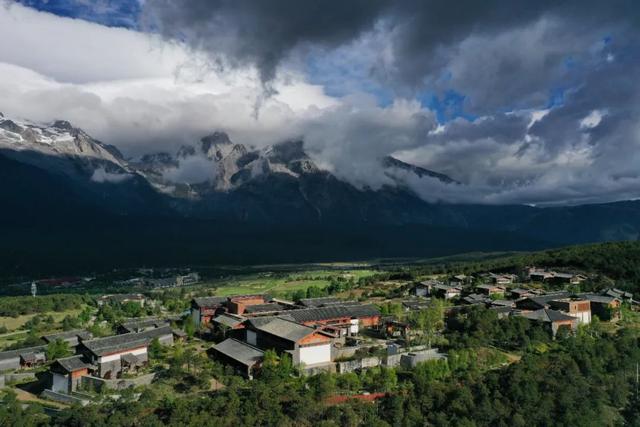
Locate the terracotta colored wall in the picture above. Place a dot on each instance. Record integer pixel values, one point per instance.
(238, 305)
(370, 321)
(80, 373)
(314, 339)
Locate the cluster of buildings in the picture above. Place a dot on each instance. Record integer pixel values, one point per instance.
(174, 281)
(555, 310)
(104, 358)
(311, 332)
(545, 275)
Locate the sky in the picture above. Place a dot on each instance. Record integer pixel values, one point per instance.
(520, 101)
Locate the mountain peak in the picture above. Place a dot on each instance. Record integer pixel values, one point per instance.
(286, 152)
(62, 125)
(216, 138)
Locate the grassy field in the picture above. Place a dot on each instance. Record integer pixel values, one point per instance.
(15, 323)
(278, 284)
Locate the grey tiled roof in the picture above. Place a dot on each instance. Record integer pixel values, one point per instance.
(73, 363)
(502, 303)
(544, 300)
(240, 351)
(416, 305)
(602, 299)
(137, 324)
(283, 328)
(263, 308)
(228, 320)
(80, 333)
(11, 354)
(317, 302)
(476, 299)
(548, 315)
(209, 301)
(332, 312)
(102, 346)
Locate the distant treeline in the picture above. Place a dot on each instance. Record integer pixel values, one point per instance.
(617, 260)
(16, 306)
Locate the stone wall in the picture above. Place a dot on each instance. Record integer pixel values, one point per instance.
(62, 397)
(353, 365)
(18, 377)
(98, 384)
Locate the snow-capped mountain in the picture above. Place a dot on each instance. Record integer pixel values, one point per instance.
(226, 166)
(213, 164)
(223, 165)
(55, 145)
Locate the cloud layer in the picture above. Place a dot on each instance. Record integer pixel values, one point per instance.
(544, 94)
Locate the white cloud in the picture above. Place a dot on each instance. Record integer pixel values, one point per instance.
(134, 90)
(592, 120)
(144, 95)
(101, 176)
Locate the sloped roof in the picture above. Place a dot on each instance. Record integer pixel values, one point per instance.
(476, 299)
(78, 333)
(489, 287)
(242, 352)
(430, 282)
(112, 344)
(446, 287)
(416, 304)
(73, 363)
(136, 324)
(547, 315)
(28, 357)
(229, 320)
(318, 302)
(283, 328)
(263, 308)
(544, 300)
(602, 299)
(12, 354)
(209, 301)
(503, 303)
(333, 312)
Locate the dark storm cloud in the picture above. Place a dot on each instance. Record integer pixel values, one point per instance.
(261, 32)
(427, 37)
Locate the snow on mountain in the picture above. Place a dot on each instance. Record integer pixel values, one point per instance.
(218, 164)
(213, 164)
(53, 145)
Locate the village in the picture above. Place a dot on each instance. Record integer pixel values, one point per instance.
(333, 333)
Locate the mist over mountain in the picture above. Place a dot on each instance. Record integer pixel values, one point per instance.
(217, 200)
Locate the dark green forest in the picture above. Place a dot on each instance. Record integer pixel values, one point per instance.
(587, 380)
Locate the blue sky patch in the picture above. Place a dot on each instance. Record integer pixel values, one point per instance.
(112, 13)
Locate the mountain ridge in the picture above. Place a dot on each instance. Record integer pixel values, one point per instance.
(57, 181)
